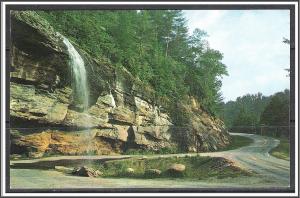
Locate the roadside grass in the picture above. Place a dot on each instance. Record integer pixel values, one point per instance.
(166, 150)
(196, 168)
(282, 151)
(237, 142)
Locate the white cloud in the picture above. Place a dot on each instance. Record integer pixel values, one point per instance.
(251, 42)
(205, 19)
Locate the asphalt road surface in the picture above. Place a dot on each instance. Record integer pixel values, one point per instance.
(271, 172)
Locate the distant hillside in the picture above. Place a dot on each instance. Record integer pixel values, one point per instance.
(256, 109)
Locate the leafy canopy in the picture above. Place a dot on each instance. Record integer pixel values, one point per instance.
(154, 45)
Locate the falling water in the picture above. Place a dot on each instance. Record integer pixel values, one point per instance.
(78, 75)
(80, 88)
(113, 102)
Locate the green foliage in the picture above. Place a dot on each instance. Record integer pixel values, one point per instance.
(277, 111)
(204, 77)
(255, 110)
(196, 168)
(245, 111)
(153, 45)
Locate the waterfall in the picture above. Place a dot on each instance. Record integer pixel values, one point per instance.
(80, 87)
(113, 102)
(78, 74)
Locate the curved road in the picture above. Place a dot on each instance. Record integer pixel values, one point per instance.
(256, 157)
(270, 172)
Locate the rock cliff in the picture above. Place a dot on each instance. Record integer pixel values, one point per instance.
(122, 113)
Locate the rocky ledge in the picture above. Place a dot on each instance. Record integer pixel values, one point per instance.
(122, 112)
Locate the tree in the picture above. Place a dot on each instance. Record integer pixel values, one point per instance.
(277, 112)
(205, 73)
(245, 118)
(251, 104)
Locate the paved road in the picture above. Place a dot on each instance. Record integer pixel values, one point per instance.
(271, 172)
(256, 157)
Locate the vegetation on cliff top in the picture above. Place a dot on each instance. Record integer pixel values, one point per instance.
(154, 46)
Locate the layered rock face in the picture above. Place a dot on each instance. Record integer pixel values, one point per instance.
(45, 117)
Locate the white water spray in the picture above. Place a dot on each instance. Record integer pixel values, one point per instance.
(78, 75)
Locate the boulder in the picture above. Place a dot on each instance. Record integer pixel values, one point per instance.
(86, 172)
(130, 170)
(177, 168)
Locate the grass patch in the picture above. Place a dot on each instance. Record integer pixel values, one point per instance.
(237, 142)
(196, 168)
(282, 151)
(165, 150)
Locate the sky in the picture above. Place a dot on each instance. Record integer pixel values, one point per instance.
(251, 43)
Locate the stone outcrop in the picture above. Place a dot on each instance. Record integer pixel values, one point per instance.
(121, 114)
(86, 172)
(178, 168)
